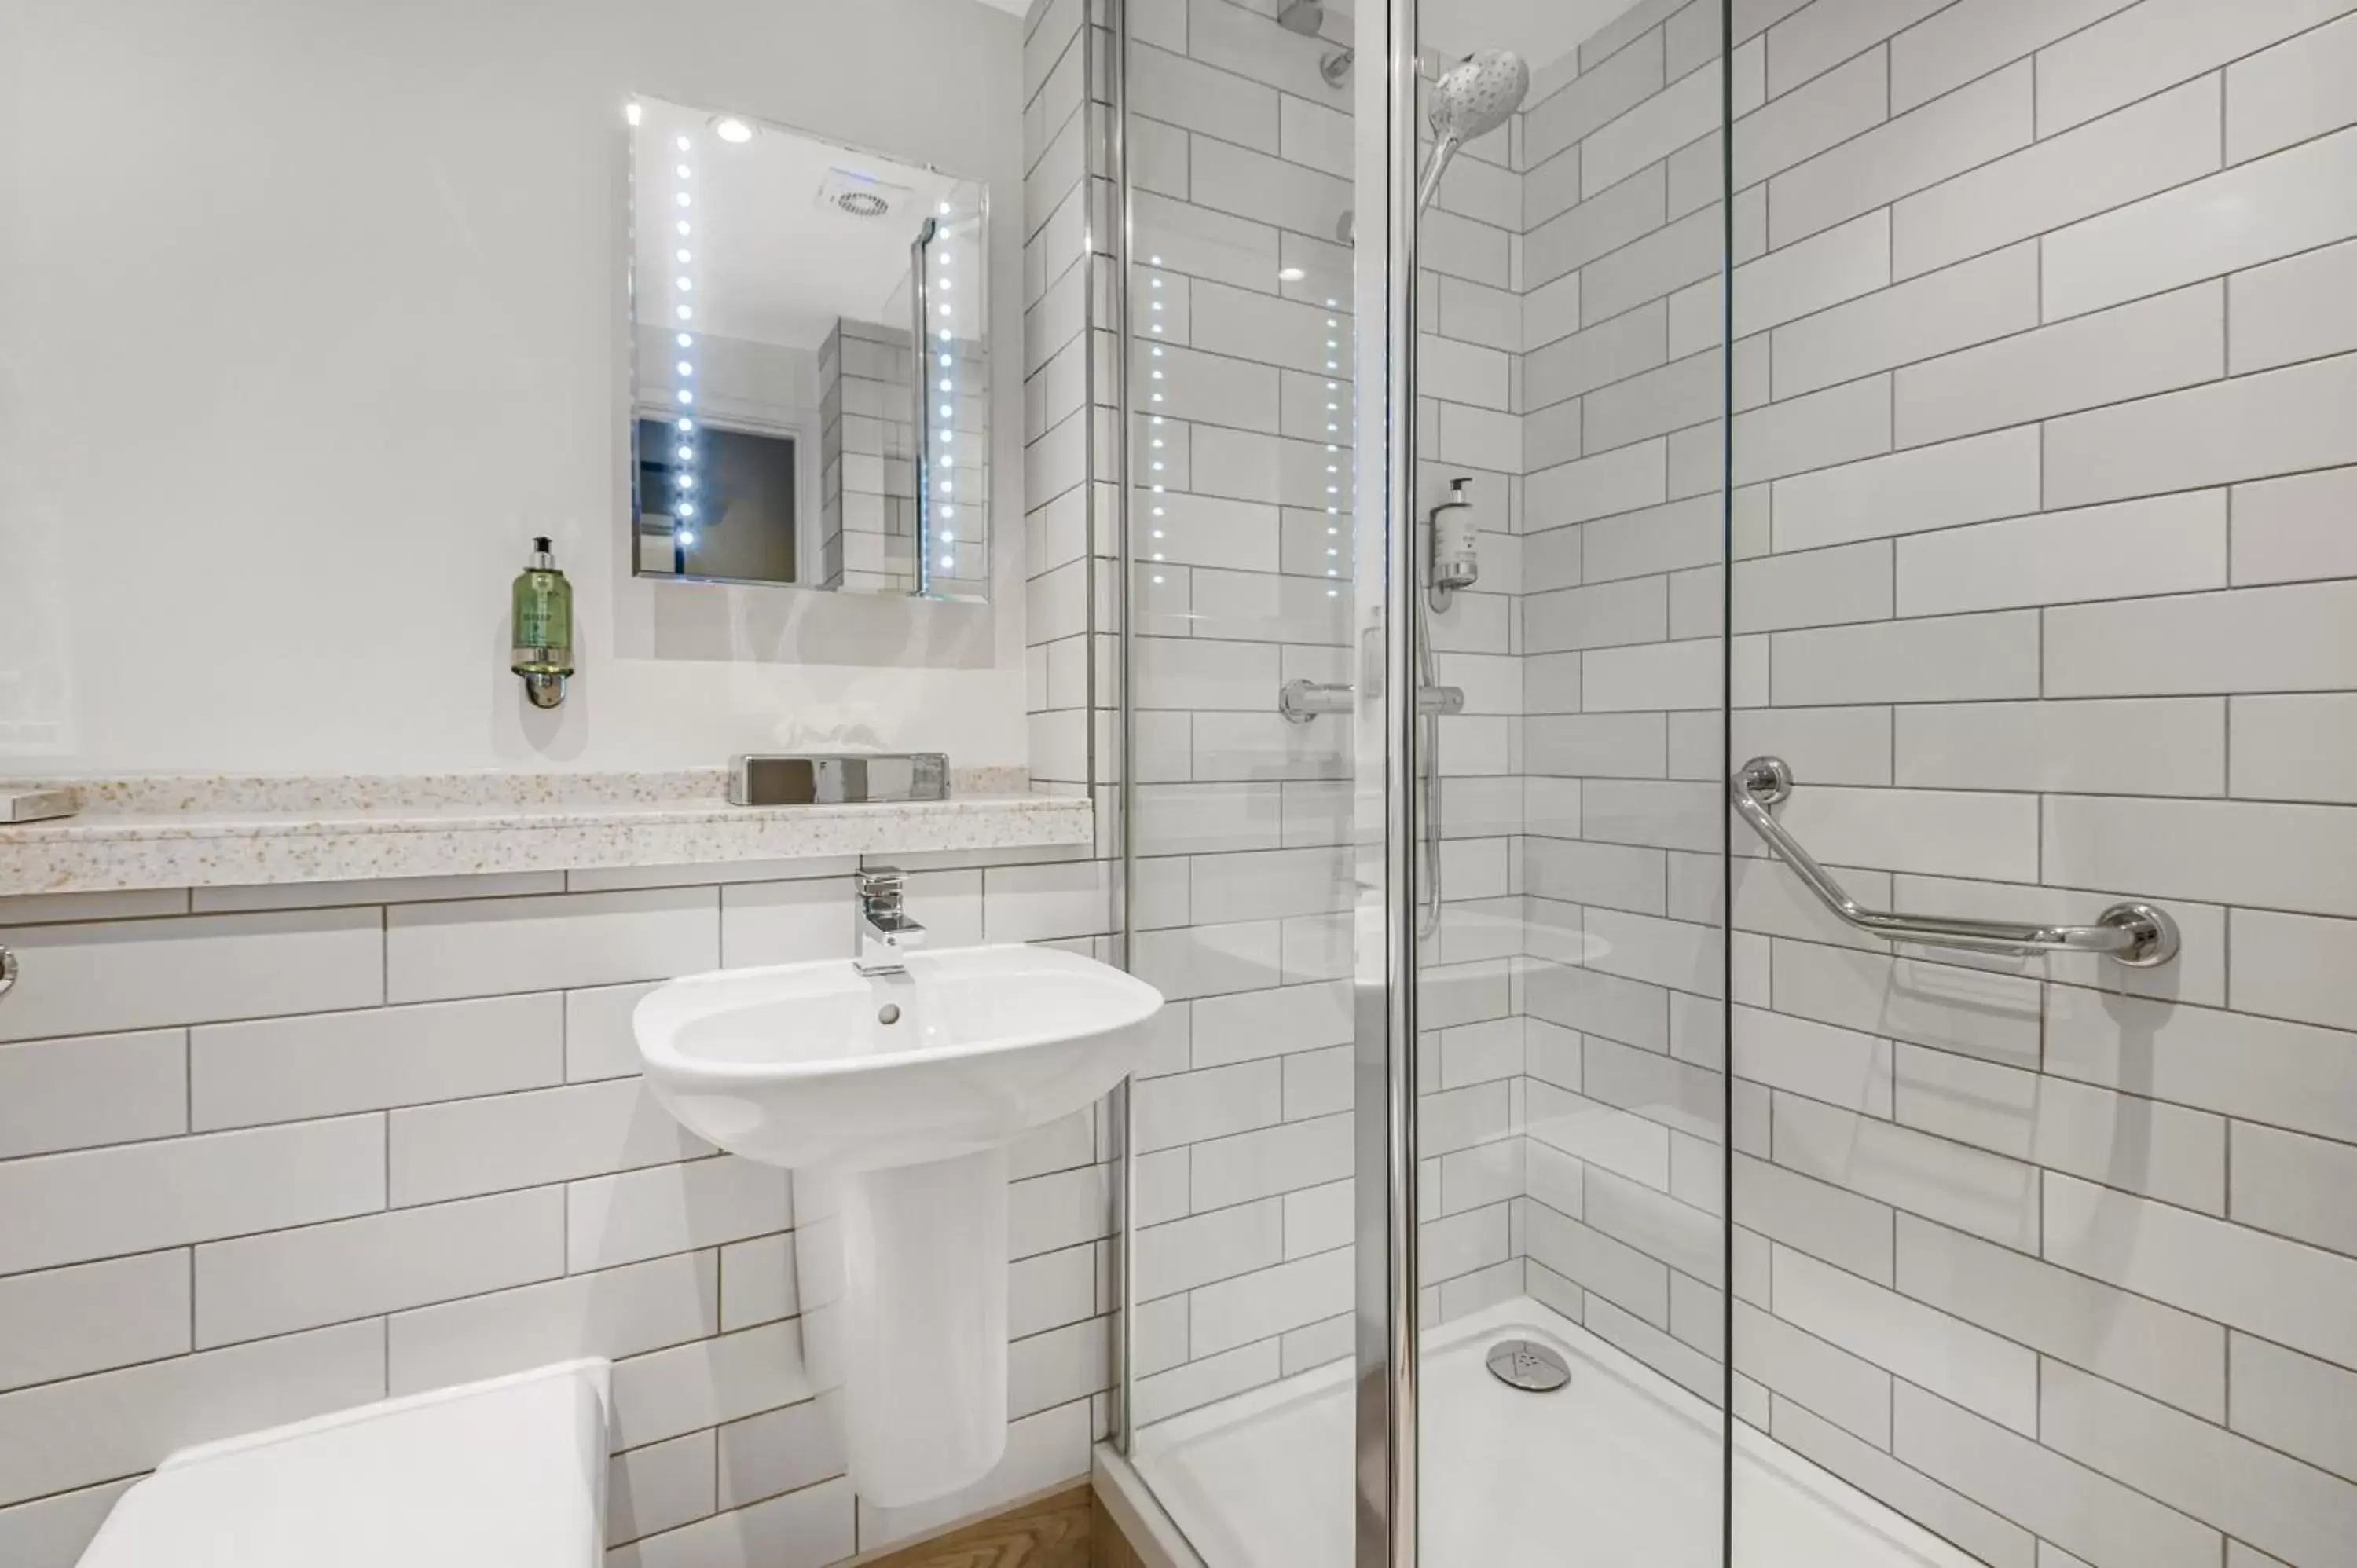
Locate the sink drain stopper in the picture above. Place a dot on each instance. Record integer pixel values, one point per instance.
(1528, 1365)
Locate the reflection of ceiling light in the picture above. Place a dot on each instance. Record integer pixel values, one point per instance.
(1290, 275)
(630, 113)
(732, 130)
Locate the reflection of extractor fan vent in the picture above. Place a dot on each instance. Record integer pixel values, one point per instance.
(860, 195)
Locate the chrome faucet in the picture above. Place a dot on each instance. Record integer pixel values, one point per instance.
(882, 932)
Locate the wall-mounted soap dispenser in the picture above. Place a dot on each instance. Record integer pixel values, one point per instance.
(542, 629)
(1456, 554)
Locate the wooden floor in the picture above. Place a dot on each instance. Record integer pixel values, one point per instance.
(1069, 1529)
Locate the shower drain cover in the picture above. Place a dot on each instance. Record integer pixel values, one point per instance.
(1528, 1365)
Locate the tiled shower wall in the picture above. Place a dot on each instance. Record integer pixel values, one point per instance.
(267, 1153)
(2043, 512)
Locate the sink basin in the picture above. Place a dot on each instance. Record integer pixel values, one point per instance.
(797, 1066)
(894, 1098)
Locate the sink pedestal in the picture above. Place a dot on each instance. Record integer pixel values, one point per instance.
(893, 1099)
(903, 1276)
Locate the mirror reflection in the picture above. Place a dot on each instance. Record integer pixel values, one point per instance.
(810, 382)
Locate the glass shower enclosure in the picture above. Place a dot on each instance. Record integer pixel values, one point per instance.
(1723, 677)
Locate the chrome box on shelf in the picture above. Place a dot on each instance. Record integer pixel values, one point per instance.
(838, 778)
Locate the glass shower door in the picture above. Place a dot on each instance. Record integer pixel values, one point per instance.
(1563, 168)
(1235, 200)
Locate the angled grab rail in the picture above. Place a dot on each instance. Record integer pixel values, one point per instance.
(2137, 935)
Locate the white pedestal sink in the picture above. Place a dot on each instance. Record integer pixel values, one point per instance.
(895, 1099)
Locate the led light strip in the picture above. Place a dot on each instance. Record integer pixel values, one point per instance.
(947, 429)
(686, 476)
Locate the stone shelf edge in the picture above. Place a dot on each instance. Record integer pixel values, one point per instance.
(231, 838)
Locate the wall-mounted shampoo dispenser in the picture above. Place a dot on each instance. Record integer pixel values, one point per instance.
(1456, 552)
(541, 628)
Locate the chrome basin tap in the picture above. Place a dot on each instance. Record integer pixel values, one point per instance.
(882, 932)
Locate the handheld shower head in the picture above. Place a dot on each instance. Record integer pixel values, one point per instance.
(1472, 98)
(1478, 94)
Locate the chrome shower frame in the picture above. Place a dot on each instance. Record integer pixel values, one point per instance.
(1123, 1108)
(1385, 995)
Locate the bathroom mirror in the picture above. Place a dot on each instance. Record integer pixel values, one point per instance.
(809, 375)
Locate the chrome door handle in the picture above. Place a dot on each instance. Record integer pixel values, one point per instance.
(1301, 701)
(2138, 935)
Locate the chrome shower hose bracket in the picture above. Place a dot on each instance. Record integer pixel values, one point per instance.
(2141, 936)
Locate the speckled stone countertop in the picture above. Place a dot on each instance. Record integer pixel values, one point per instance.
(213, 832)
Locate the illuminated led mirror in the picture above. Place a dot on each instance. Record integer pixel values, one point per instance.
(810, 373)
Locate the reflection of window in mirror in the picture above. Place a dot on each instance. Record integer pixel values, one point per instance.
(746, 518)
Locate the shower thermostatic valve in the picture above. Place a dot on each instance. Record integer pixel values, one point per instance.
(1302, 701)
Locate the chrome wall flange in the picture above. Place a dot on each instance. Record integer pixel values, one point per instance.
(1767, 779)
(2156, 937)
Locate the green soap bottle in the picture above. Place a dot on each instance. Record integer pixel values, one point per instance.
(541, 632)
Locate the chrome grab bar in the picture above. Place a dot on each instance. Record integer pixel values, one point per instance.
(2137, 935)
(1301, 701)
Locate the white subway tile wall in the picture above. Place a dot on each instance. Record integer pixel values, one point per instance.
(281, 1194)
(2082, 269)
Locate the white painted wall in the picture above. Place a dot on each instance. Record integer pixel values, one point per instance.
(311, 314)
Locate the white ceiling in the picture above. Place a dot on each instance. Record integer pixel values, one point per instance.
(773, 262)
